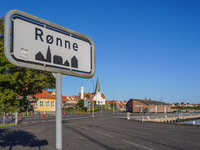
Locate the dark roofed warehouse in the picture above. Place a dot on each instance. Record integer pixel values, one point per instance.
(144, 106)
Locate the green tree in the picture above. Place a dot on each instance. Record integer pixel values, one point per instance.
(16, 83)
(80, 103)
(88, 96)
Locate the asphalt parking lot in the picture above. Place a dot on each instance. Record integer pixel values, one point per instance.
(100, 133)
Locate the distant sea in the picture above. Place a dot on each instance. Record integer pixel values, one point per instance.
(193, 122)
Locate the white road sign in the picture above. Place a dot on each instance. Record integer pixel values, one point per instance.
(39, 44)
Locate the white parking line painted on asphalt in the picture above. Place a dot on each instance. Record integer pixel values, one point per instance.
(104, 134)
(144, 133)
(136, 144)
(95, 131)
(114, 137)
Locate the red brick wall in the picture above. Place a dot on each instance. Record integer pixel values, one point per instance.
(140, 107)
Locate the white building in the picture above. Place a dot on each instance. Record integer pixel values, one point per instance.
(99, 98)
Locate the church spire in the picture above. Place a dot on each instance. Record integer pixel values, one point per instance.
(97, 85)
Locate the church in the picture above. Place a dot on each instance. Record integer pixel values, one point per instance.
(96, 96)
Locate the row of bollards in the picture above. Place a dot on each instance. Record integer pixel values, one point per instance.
(43, 115)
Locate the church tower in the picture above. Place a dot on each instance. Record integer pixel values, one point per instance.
(98, 96)
(97, 89)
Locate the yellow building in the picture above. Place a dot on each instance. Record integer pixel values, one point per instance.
(45, 102)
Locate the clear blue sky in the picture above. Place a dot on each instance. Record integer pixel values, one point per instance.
(143, 47)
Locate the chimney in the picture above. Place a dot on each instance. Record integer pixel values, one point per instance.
(145, 99)
(149, 99)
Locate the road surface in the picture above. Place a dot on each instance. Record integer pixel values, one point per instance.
(101, 133)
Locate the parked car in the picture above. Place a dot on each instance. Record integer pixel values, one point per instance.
(174, 111)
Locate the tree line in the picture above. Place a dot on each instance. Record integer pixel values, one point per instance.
(18, 84)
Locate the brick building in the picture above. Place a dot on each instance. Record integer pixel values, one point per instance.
(145, 106)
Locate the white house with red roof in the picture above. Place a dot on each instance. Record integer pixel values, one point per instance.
(96, 96)
(99, 98)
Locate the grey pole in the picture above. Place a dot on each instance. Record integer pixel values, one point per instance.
(101, 108)
(16, 117)
(4, 117)
(93, 109)
(113, 103)
(58, 77)
(93, 101)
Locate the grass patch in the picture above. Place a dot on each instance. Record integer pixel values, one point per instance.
(75, 111)
(80, 110)
(7, 125)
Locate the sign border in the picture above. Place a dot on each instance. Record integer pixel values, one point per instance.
(9, 57)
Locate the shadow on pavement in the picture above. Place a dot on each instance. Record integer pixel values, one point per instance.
(9, 139)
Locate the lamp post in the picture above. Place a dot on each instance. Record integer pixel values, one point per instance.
(4, 115)
(93, 100)
(161, 103)
(113, 103)
(101, 108)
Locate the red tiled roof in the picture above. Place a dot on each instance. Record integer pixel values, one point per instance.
(69, 103)
(44, 95)
(103, 96)
(50, 92)
(91, 95)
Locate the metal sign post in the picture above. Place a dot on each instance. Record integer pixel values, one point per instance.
(58, 77)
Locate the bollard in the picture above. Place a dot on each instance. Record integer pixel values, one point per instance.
(1, 115)
(76, 113)
(23, 116)
(64, 113)
(71, 113)
(42, 115)
(54, 114)
(80, 113)
(85, 113)
(31, 114)
(128, 115)
(20, 115)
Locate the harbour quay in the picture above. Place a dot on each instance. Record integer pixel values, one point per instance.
(163, 117)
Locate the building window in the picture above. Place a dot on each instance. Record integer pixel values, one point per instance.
(138, 109)
(36, 105)
(152, 109)
(52, 103)
(47, 103)
(41, 103)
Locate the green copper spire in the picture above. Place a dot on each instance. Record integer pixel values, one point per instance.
(97, 85)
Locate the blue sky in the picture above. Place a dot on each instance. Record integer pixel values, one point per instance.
(144, 48)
